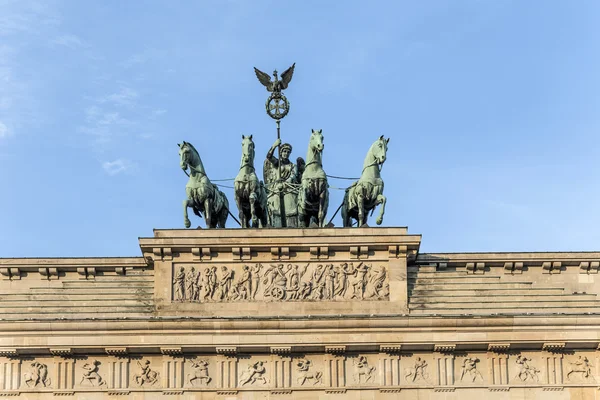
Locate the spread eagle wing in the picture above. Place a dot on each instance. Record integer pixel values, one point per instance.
(286, 77)
(265, 79)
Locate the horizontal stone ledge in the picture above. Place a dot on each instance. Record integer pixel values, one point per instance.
(401, 323)
(403, 349)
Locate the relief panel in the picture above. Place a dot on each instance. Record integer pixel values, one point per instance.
(280, 282)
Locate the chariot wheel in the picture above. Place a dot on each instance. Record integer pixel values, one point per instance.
(277, 293)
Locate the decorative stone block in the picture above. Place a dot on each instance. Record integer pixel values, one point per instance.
(444, 348)
(319, 253)
(229, 351)
(335, 350)
(241, 253)
(171, 351)
(10, 273)
(8, 352)
(475, 268)
(498, 347)
(48, 273)
(554, 347)
(587, 267)
(281, 350)
(513, 268)
(280, 253)
(61, 351)
(551, 267)
(116, 351)
(390, 348)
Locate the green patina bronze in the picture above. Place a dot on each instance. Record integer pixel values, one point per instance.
(202, 195)
(250, 193)
(292, 195)
(365, 194)
(281, 179)
(313, 199)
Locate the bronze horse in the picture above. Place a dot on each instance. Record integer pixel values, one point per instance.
(314, 191)
(202, 195)
(366, 193)
(250, 193)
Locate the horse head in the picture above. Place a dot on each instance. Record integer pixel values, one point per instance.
(247, 151)
(189, 157)
(378, 151)
(316, 141)
(185, 155)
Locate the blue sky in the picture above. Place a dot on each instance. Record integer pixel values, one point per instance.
(491, 107)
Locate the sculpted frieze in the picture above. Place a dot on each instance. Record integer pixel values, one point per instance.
(418, 373)
(254, 373)
(580, 370)
(469, 371)
(306, 373)
(146, 376)
(281, 282)
(526, 372)
(363, 372)
(37, 376)
(214, 372)
(91, 376)
(199, 375)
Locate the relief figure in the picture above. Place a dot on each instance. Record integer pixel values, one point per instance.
(225, 283)
(37, 375)
(527, 372)
(255, 274)
(91, 375)
(304, 374)
(469, 367)
(146, 375)
(200, 374)
(275, 281)
(255, 372)
(375, 283)
(580, 366)
(179, 285)
(363, 373)
(418, 372)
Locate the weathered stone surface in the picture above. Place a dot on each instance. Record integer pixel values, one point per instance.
(385, 321)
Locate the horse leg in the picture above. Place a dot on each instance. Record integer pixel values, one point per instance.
(322, 202)
(360, 202)
(381, 200)
(238, 202)
(186, 221)
(301, 215)
(252, 199)
(208, 204)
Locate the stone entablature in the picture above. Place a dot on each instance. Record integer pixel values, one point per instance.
(312, 373)
(379, 319)
(294, 271)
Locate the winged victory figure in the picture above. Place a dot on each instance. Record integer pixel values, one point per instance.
(277, 85)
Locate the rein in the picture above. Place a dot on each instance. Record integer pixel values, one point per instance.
(376, 163)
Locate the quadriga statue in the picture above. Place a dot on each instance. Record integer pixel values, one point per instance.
(202, 196)
(367, 193)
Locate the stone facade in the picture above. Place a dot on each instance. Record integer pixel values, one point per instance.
(300, 314)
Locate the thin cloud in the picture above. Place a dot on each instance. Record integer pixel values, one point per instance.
(124, 97)
(70, 41)
(117, 166)
(4, 132)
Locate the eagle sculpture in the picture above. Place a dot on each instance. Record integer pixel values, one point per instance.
(277, 85)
